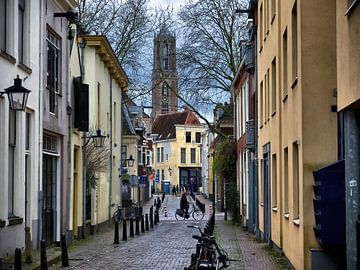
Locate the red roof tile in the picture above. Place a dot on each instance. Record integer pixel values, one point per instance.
(164, 124)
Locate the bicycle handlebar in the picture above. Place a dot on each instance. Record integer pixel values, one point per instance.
(204, 239)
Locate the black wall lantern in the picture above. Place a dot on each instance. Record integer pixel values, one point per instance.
(17, 95)
(98, 139)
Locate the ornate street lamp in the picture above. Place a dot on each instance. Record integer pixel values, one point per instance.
(98, 139)
(130, 161)
(17, 95)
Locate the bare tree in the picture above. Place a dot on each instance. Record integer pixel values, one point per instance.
(97, 160)
(126, 24)
(210, 55)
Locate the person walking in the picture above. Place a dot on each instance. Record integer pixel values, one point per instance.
(174, 191)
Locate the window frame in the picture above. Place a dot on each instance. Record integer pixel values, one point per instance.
(188, 136)
(53, 68)
(192, 155)
(182, 155)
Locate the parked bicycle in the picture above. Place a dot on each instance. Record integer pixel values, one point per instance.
(195, 212)
(209, 254)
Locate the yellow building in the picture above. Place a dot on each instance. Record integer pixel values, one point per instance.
(297, 128)
(177, 151)
(100, 72)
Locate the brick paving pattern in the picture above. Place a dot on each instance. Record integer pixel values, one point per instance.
(168, 246)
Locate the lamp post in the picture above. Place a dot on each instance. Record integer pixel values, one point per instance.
(98, 141)
(170, 171)
(17, 95)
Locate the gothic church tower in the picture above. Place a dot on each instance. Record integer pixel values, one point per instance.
(164, 75)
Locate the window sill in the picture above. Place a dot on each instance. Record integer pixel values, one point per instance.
(273, 18)
(274, 209)
(15, 221)
(294, 83)
(8, 57)
(296, 222)
(2, 223)
(351, 7)
(285, 97)
(25, 68)
(286, 216)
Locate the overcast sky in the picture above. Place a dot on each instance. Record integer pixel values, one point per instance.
(164, 3)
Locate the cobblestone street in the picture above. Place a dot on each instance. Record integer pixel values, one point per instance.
(167, 246)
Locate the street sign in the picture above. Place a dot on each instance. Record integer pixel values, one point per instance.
(157, 179)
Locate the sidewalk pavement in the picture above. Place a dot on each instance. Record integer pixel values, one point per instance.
(248, 252)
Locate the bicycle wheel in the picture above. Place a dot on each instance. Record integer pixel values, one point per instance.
(198, 215)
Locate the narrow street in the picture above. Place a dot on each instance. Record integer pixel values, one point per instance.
(167, 246)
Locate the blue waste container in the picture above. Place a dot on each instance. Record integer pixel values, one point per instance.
(166, 186)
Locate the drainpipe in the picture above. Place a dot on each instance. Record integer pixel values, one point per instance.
(111, 151)
(40, 130)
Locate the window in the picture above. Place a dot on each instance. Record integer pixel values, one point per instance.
(267, 16)
(148, 157)
(53, 68)
(286, 182)
(267, 91)
(3, 18)
(123, 155)
(114, 121)
(193, 155)
(261, 36)
(11, 170)
(285, 64)
(27, 131)
(162, 175)
(21, 31)
(294, 43)
(165, 90)
(188, 137)
(183, 155)
(198, 137)
(158, 154)
(161, 154)
(261, 108)
(295, 180)
(274, 181)
(273, 9)
(164, 107)
(98, 105)
(165, 55)
(273, 86)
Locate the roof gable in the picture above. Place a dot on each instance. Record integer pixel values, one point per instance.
(164, 124)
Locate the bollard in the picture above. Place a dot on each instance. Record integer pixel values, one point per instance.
(151, 220)
(147, 222)
(116, 233)
(142, 224)
(28, 247)
(154, 201)
(137, 229)
(131, 227)
(165, 210)
(64, 253)
(124, 238)
(17, 262)
(225, 215)
(43, 259)
(155, 219)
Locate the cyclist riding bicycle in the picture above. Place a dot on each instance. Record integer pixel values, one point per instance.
(184, 204)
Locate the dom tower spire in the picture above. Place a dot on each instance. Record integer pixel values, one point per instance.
(164, 75)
